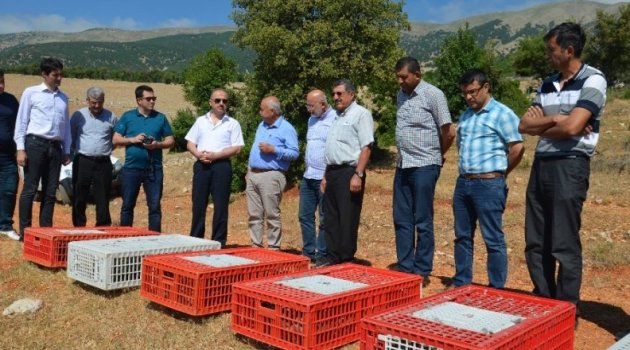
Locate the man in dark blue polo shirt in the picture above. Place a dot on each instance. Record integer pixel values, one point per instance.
(144, 132)
(8, 163)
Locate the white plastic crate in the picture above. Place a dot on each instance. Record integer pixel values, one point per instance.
(622, 344)
(116, 263)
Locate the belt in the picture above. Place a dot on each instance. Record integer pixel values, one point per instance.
(43, 139)
(338, 166)
(258, 170)
(484, 176)
(95, 158)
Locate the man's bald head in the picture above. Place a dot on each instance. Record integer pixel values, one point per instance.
(316, 103)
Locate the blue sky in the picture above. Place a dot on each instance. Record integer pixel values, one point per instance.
(75, 15)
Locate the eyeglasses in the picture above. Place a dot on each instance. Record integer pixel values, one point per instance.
(221, 100)
(471, 92)
(153, 98)
(338, 93)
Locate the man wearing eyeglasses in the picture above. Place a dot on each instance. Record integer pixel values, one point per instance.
(424, 133)
(92, 131)
(311, 196)
(348, 149)
(490, 146)
(213, 139)
(275, 147)
(144, 132)
(42, 136)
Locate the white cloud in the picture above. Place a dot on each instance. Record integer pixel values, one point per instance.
(179, 23)
(57, 23)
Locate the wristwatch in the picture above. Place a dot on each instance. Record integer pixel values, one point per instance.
(360, 174)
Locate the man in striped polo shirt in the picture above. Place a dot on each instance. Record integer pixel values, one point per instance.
(566, 115)
(490, 146)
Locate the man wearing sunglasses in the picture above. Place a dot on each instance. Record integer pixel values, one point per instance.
(144, 132)
(213, 139)
(490, 146)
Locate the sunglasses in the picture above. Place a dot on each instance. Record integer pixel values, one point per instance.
(221, 100)
(148, 98)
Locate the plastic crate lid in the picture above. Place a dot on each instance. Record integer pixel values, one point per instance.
(321, 284)
(220, 260)
(468, 317)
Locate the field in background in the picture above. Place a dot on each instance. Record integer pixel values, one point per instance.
(77, 316)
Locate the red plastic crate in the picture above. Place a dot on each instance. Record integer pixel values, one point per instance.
(199, 289)
(296, 318)
(535, 323)
(48, 246)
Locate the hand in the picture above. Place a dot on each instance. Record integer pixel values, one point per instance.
(322, 185)
(21, 158)
(266, 147)
(588, 129)
(355, 184)
(205, 157)
(138, 139)
(534, 112)
(153, 145)
(65, 160)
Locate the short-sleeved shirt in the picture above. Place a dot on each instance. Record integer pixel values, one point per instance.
(282, 135)
(586, 89)
(351, 130)
(131, 124)
(419, 118)
(43, 113)
(92, 135)
(315, 159)
(214, 138)
(8, 114)
(483, 138)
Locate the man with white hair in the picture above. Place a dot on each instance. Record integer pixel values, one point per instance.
(92, 130)
(275, 147)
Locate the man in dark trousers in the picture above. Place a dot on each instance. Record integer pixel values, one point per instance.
(8, 164)
(42, 137)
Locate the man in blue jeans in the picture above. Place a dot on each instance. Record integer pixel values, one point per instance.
(8, 164)
(424, 133)
(144, 132)
(311, 196)
(490, 146)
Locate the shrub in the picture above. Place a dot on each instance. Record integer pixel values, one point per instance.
(181, 124)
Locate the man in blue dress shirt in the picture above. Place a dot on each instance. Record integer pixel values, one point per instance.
(274, 147)
(42, 136)
(311, 196)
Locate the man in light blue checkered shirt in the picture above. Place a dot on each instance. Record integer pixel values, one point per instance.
(490, 146)
(424, 132)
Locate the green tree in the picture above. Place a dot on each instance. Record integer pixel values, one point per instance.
(459, 53)
(206, 72)
(302, 45)
(608, 47)
(530, 58)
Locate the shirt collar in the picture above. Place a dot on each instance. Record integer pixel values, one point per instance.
(276, 124)
(43, 87)
(225, 119)
(345, 111)
(487, 107)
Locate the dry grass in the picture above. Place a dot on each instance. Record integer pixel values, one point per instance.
(79, 317)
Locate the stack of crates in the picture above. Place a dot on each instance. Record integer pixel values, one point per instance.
(48, 246)
(473, 317)
(200, 283)
(116, 263)
(319, 309)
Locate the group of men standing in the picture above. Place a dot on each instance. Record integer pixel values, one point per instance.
(40, 136)
(565, 114)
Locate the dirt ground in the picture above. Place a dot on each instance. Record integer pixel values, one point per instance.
(605, 237)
